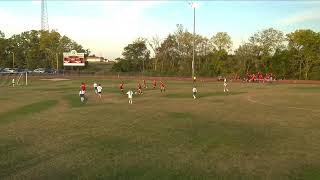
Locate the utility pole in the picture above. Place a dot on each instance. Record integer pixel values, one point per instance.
(26, 78)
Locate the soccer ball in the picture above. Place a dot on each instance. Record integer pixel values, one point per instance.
(135, 92)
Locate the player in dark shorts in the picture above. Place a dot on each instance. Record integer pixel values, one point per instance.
(140, 89)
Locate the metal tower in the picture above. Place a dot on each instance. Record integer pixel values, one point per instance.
(44, 16)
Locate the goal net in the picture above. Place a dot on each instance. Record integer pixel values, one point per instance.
(18, 78)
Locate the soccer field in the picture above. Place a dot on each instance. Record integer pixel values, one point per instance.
(256, 131)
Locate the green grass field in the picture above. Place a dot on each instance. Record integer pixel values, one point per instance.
(257, 131)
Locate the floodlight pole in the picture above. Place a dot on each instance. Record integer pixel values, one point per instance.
(194, 32)
(57, 63)
(26, 78)
(12, 60)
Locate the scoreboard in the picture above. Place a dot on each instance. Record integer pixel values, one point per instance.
(73, 58)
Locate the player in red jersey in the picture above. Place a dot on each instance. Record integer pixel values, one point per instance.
(260, 77)
(162, 87)
(83, 86)
(154, 84)
(139, 89)
(267, 77)
(253, 77)
(121, 87)
(145, 84)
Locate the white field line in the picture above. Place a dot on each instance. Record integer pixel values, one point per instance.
(249, 98)
(55, 79)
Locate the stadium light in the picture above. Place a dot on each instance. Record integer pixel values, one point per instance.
(194, 5)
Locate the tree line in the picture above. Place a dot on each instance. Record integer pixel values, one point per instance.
(36, 49)
(295, 55)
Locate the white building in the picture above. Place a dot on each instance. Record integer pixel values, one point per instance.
(112, 60)
(93, 59)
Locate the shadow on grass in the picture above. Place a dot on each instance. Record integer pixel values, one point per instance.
(209, 135)
(178, 115)
(202, 95)
(4, 98)
(134, 159)
(306, 171)
(29, 109)
(238, 136)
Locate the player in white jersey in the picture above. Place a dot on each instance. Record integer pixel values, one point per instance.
(82, 95)
(99, 90)
(130, 94)
(225, 85)
(194, 92)
(13, 82)
(95, 85)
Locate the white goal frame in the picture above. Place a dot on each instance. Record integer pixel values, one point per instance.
(20, 76)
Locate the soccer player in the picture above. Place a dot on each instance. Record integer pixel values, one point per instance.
(248, 77)
(154, 84)
(252, 78)
(194, 92)
(162, 87)
(260, 77)
(83, 86)
(121, 87)
(13, 82)
(130, 93)
(82, 95)
(139, 88)
(225, 85)
(267, 77)
(145, 84)
(194, 79)
(99, 90)
(95, 85)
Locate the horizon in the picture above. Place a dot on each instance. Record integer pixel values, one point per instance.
(114, 24)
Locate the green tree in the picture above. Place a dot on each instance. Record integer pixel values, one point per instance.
(3, 48)
(33, 49)
(222, 41)
(305, 45)
(137, 54)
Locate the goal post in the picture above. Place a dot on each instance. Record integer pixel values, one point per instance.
(18, 78)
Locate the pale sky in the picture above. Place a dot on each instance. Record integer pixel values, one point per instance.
(106, 27)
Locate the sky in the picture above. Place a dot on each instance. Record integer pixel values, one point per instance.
(106, 27)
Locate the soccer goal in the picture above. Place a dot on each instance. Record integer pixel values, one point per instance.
(16, 78)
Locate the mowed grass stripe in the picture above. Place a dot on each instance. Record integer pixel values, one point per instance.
(26, 110)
